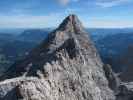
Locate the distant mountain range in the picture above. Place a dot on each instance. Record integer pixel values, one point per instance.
(113, 47)
(33, 35)
(15, 46)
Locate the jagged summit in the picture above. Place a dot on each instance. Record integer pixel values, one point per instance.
(71, 24)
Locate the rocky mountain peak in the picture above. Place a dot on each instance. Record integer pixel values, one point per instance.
(69, 38)
(71, 24)
(65, 63)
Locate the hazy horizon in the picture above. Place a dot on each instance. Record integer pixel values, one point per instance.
(90, 30)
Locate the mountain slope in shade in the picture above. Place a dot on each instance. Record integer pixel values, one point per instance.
(67, 65)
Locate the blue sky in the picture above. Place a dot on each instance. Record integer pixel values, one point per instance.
(49, 13)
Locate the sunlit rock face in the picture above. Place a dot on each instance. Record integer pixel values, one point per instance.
(65, 66)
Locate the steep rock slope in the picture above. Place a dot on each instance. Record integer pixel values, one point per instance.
(67, 65)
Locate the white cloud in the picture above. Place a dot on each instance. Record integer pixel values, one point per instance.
(111, 3)
(72, 11)
(63, 2)
(66, 2)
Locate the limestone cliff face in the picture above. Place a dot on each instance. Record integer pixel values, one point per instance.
(66, 66)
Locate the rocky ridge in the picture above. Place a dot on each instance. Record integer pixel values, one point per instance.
(65, 66)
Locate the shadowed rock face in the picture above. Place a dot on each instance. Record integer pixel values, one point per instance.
(112, 78)
(125, 91)
(67, 65)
